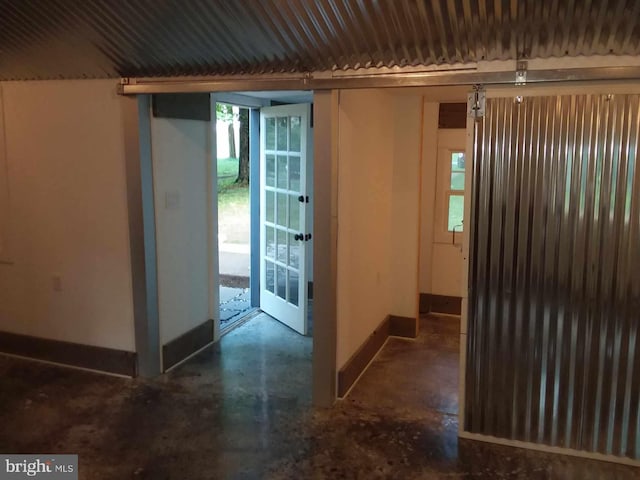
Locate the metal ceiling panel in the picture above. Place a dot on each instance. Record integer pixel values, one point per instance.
(109, 38)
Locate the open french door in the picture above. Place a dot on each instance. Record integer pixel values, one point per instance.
(284, 201)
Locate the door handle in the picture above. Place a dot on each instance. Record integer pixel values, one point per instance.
(302, 236)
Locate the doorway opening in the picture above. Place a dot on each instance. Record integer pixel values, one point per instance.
(264, 150)
(234, 213)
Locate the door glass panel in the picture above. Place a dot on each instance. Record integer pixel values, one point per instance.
(294, 139)
(294, 251)
(294, 173)
(270, 133)
(281, 255)
(281, 219)
(270, 274)
(457, 171)
(284, 137)
(456, 212)
(281, 279)
(293, 287)
(270, 170)
(271, 242)
(269, 207)
(282, 133)
(282, 171)
(294, 212)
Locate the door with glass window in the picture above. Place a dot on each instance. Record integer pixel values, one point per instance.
(284, 200)
(447, 257)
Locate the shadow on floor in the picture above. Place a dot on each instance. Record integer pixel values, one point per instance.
(242, 410)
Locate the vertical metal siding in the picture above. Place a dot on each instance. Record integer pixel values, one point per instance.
(554, 305)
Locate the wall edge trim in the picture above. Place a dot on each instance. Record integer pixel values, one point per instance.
(90, 357)
(432, 303)
(405, 327)
(351, 371)
(190, 342)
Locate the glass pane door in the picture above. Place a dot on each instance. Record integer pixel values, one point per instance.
(284, 235)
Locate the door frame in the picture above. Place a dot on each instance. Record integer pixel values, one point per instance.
(136, 116)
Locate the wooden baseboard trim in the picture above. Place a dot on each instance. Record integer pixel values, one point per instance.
(119, 362)
(180, 348)
(350, 372)
(406, 327)
(430, 303)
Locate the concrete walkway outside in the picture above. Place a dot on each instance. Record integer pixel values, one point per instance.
(235, 259)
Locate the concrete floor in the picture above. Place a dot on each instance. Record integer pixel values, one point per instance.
(242, 410)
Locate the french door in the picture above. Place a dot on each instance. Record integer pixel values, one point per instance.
(284, 200)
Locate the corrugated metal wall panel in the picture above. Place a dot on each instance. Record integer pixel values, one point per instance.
(108, 38)
(555, 273)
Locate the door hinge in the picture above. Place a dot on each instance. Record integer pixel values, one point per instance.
(476, 102)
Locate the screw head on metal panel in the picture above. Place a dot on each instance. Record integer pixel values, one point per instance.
(521, 72)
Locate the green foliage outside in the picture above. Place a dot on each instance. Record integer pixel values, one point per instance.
(233, 203)
(456, 212)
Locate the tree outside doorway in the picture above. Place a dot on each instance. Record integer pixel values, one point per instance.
(233, 195)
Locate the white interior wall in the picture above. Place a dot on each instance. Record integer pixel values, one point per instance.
(405, 211)
(428, 192)
(68, 214)
(365, 152)
(181, 151)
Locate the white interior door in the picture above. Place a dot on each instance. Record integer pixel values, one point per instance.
(447, 258)
(284, 200)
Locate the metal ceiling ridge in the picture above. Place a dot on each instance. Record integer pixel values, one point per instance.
(329, 81)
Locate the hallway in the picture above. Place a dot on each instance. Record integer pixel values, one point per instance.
(242, 410)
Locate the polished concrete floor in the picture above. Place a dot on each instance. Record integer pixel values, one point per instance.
(242, 410)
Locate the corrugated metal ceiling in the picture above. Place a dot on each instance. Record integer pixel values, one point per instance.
(109, 38)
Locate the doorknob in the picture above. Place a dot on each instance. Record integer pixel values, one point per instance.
(298, 236)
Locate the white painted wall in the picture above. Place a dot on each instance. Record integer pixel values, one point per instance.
(68, 214)
(405, 211)
(428, 193)
(365, 169)
(181, 152)
(379, 181)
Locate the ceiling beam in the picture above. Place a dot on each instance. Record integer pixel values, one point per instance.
(322, 81)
